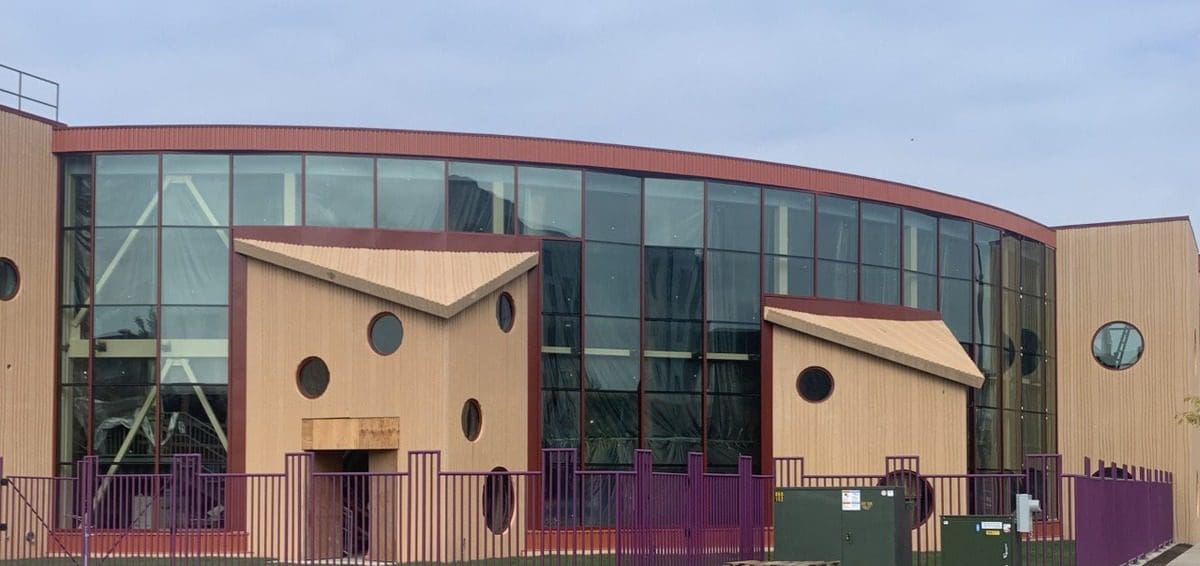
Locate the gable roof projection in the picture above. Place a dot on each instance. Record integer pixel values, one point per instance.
(441, 283)
(924, 345)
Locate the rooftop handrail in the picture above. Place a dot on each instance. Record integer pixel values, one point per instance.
(22, 97)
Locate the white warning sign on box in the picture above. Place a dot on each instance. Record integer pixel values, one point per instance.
(851, 500)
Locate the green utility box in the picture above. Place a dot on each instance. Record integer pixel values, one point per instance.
(980, 540)
(861, 526)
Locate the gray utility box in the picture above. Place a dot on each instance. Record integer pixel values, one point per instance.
(980, 540)
(860, 526)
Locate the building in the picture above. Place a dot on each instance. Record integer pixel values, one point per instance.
(243, 292)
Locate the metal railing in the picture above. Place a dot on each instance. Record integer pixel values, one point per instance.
(31, 92)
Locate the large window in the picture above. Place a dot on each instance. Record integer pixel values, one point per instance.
(788, 233)
(412, 194)
(481, 198)
(266, 190)
(550, 201)
(837, 248)
(339, 191)
(880, 254)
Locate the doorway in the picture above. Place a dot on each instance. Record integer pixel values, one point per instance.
(356, 503)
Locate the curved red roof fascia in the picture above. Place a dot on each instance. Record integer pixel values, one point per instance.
(535, 150)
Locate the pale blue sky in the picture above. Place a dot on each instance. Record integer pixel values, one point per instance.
(1063, 111)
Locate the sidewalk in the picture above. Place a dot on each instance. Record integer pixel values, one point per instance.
(1189, 558)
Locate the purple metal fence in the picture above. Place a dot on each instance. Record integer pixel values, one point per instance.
(1122, 513)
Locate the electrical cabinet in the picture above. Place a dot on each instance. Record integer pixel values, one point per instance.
(861, 526)
(980, 540)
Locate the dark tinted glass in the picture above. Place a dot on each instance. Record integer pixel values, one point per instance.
(123, 403)
(76, 266)
(987, 439)
(613, 274)
(788, 223)
(987, 314)
(77, 191)
(1033, 268)
(733, 430)
(673, 283)
(1033, 319)
(1117, 345)
(672, 427)
(1033, 383)
(412, 194)
(920, 291)
(788, 276)
(126, 266)
(837, 229)
(733, 341)
(614, 207)
(880, 235)
(733, 217)
(339, 191)
(560, 277)
(313, 377)
(481, 198)
(472, 420)
(814, 384)
(733, 294)
(837, 280)
(954, 245)
(550, 201)
(1051, 274)
(1010, 254)
(195, 190)
(674, 213)
(126, 323)
(195, 266)
(920, 242)
(387, 333)
(266, 190)
(987, 254)
(613, 353)
(611, 428)
(126, 190)
(498, 505)
(560, 419)
(880, 285)
(505, 312)
(956, 307)
(10, 279)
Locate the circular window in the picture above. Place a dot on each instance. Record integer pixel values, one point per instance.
(10, 279)
(498, 501)
(504, 311)
(472, 420)
(386, 333)
(918, 494)
(814, 384)
(313, 377)
(1117, 345)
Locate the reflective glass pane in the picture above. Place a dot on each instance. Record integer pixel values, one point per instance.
(561, 332)
(125, 422)
(920, 242)
(560, 419)
(612, 279)
(194, 422)
(73, 423)
(1050, 335)
(880, 285)
(550, 201)
(561, 371)
(920, 291)
(195, 266)
(1033, 383)
(412, 194)
(881, 235)
(76, 266)
(733, 430)
(127, 323)
(673, 283)
(987, 439)
(667, 373)
(339, 191)
(954, 245)
(837, 229)
(611, 428)
(788, 222)
(734, 377)
(614, 207)
(1010, 254)
(195, 190)
(672, 428)
(1013, 456)
(987, 254)
(126, 266)
(560, 277)
(1051, 274)
(481, 198)
(987, 314)
(1033, 433)
(788, 276)
(733, 217)
(77, 191)
(126, 190)
(1117, 345)
(266, 190)
(837, 280)
(988, 360)
(733, 341)
(195, 345)
(674, 213)
(137, 370)
(956, 307)
(1033, 268)
(1033, 332)
(733, 293)
(613, 353)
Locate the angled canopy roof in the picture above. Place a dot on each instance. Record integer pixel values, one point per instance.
(925, 345)
(441, 283)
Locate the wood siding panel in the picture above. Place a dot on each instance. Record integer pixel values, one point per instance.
(878, 409)
(1145, 274)
(28, 225)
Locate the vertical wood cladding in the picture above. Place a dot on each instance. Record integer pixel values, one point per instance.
(28, 202)
(1144, 274)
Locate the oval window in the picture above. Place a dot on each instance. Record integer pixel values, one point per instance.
(814, 384)
(498, 501)
(505, 312)
(472, 420)
(10, 279)
(313, 377)
(1117, 345)
(917, 491)
(387, 333)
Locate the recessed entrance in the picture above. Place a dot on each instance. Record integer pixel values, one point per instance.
(344, 487)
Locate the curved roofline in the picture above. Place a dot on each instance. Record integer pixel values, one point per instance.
(545, 151)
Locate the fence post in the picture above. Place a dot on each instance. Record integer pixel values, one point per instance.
(87, 487)
(745, 508)
(643, 469)
(697, 510)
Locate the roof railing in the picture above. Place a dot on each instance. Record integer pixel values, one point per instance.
(32, 93)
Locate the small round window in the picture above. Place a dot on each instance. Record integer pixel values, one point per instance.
(505, 311)
(814, 384)
(498, 501)
(313, 377)
(472, 420)
(1117, 345)
(386, 333)
(10, 279)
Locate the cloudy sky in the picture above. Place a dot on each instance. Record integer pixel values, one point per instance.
(1063, 111)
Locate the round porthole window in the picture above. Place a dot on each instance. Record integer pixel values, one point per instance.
(1117, 345)
(505, 310)
(387, 333)
(814, 384)
(472, 420)
(498, 501)
(312, 377)
(10, 279)
(917, 492)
